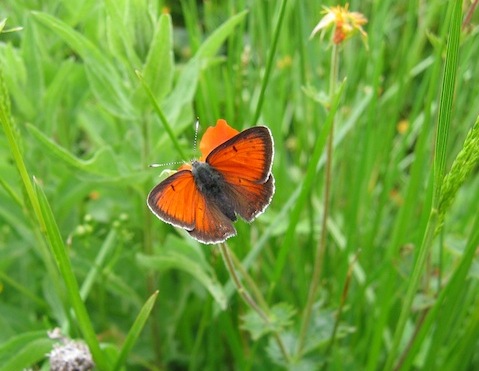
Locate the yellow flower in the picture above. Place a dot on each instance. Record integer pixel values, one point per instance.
(344, 23)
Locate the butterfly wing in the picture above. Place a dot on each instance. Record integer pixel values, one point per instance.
(174, 198)
(245, 162)
(211, 225)
(177, 201)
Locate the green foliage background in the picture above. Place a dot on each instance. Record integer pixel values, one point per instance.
(93, 92)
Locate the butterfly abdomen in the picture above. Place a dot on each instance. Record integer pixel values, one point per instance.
(211, 184)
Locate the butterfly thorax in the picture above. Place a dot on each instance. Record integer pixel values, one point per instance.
(211, 184)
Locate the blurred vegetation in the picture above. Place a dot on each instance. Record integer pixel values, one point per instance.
(91, 93)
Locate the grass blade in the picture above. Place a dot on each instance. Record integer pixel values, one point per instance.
(135, 330)
(444, 119)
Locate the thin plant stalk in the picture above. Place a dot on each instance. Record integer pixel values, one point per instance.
(339, 312)
(269, 65)
(250, 282)
(321, 247)
(151, 277)
(47, 224)
(439, 170)
(247, 298)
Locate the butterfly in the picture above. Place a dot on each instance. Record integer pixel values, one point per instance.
(233, 177)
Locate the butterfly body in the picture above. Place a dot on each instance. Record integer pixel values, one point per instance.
(235, 179)
(212, 185)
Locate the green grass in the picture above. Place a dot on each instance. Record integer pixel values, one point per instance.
(91, 93)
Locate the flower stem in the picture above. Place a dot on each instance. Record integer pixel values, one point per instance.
(248, 299)
(256, 293)
(340, 311)
(321, 247)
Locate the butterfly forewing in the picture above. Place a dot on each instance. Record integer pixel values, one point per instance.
(174, 198)
(247, 156)
(177, 201)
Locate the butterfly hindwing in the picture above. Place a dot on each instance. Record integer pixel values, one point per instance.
(245, 164)
(250, 199)
(211, 225)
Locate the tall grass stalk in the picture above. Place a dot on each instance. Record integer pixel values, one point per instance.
(271, 57)
(321, 246)
(442, 134)
(94, 92)
(48, 226)
(248, 299)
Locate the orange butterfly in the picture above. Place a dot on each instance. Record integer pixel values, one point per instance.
(233, 176)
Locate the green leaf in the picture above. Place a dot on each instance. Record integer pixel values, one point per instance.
(442, 135)
(177, 254)
(14, 345)
(3, 22)
(59, 251)
(135, 330)
(159, 67)
(31, 52)
(318, 96)
(211, 45)
(120, 18)
(105, 81)
(306, 186)
(24, 350)
(55, 295)
(280, 318)
(101, 164)
(269, 64)
(103, 252)
(185, 89)
(15, 75)
(53, 99)
(164, 120)
(321, 329)
(302, 364)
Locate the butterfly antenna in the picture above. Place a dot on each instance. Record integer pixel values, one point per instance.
(197, 126)
(166, 164)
